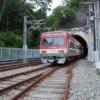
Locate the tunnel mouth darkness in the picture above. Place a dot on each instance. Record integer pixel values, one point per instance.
(82, 41)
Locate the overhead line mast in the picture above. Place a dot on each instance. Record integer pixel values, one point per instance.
(34, 25)
(94, 30)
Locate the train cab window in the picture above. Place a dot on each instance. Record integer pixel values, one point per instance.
(58, 41)
(46, 41)
(53, 41)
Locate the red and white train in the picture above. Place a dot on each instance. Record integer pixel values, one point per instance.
(59, 46)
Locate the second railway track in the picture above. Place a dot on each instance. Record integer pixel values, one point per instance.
(16, 66)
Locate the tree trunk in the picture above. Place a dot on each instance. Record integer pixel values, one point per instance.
(2, 9)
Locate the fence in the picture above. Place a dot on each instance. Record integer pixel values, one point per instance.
(17, 53)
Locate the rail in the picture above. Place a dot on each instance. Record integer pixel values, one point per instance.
(13, 61)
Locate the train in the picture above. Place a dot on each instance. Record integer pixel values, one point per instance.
(59, 47)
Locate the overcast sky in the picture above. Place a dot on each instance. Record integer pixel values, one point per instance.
(54, 4)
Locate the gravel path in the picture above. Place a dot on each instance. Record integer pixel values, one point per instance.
(85, 84)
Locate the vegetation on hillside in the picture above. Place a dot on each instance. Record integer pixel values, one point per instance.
(11, 20)
(62, 14)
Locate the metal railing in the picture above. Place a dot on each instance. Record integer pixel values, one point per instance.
(17, 53)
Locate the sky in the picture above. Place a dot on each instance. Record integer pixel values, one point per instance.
(54, 4)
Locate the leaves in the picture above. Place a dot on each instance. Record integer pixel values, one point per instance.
(9, 39)
(43, 5)
(11, 25)
(62, 14)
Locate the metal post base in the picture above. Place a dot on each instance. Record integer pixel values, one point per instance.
(97, 65)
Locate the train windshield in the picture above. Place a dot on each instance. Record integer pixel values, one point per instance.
(53, 41)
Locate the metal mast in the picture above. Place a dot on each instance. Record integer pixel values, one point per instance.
(33, 25)
(93, 23)
(97, 33)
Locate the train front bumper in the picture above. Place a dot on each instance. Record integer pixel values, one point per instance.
(59, 60)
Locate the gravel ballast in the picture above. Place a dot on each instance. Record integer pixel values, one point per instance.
(85, 83)
(20, 70)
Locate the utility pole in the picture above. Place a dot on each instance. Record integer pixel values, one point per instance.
(33, 25)
(90, 26)
(94, 24)
(97, 33)
(24, 38)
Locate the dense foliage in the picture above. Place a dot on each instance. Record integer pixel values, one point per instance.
(11, 23)
(11, 20)
(62, 14)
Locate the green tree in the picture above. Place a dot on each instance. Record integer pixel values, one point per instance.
(9, 39)
(44, 5)
(2, 6)
(11, 25)
(12, 17)
(62, 14)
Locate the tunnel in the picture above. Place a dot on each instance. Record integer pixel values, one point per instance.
(82, 41)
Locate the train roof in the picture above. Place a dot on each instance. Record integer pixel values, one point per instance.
(54, 33)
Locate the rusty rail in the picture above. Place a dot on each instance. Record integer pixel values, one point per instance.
(69, 71)
(22, 93)
(18, 84)
(15, 66)
(23, 73)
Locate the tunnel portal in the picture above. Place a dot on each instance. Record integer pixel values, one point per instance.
(82, 36)
(82, 41)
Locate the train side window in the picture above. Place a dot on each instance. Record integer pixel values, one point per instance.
(77, 47)
(71, 45)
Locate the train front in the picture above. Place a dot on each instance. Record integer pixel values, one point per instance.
(53, 47)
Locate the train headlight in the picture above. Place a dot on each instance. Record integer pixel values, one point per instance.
(43, 52)
(60, 51)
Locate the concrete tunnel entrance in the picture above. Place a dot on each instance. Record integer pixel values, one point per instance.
(81, 40)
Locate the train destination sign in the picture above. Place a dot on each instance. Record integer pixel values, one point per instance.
(53, 34)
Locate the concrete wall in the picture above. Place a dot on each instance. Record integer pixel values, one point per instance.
(79, 20)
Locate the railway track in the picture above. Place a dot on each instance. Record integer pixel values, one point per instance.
(16, 66)
(22, 73)
(15, 61)
(47, 84)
